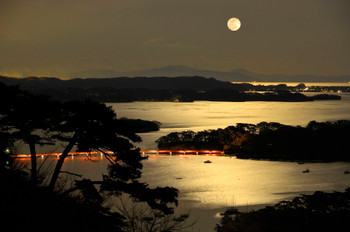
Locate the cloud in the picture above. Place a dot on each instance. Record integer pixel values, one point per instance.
(154, 41)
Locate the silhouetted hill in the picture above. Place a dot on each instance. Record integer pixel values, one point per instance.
(170, 71)
(238, 75)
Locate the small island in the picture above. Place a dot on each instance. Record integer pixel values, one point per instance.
(318, 141)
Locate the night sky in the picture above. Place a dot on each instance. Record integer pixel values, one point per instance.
(56, 38)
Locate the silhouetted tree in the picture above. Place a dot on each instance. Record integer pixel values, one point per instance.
(89, 126)
(6, 145)
(28, 118)
(141, 218)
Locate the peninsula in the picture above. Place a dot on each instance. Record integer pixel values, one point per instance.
(318, 141)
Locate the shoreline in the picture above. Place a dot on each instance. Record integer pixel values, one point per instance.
(293, 83)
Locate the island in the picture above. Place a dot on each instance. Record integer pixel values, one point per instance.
(318, 141)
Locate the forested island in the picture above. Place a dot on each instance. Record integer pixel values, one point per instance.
(173, 89)
(318, 141)
(320, 211)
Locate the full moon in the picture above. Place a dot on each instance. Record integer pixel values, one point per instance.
(233, 24)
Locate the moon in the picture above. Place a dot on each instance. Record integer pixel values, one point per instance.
(233, 24)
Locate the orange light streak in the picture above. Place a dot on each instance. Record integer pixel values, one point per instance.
(144, 152)
(58, 154)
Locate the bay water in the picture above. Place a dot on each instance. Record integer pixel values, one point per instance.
(206, 189)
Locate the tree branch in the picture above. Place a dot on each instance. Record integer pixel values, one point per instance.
(71, 173)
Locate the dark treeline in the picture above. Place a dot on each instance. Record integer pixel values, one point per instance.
(182, 89)
(307, 213)
(180, 82)
(184, 82)
(318, 141)
(178, 95)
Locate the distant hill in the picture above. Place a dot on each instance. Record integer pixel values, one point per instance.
(170, 71)
(184, 89)
(239, 75)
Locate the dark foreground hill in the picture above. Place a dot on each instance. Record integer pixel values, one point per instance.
(193, 82)
(318, 212)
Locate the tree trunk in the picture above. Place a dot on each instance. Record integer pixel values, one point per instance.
(61, 161)
(34, 174)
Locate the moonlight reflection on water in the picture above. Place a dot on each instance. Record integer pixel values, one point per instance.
(227, 181)
(206, 189)
(204, 115)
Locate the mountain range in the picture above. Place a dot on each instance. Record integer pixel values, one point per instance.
(239, 75)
